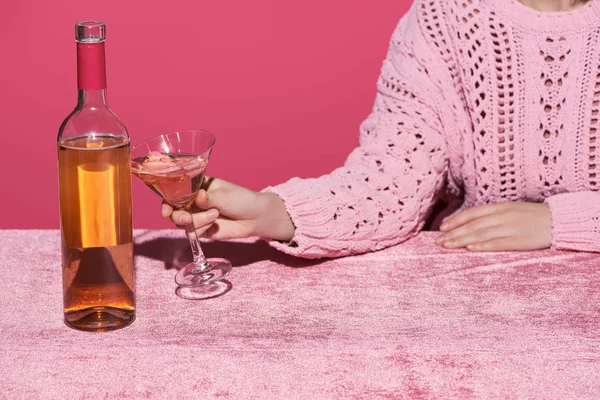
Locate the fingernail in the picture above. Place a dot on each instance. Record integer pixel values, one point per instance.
(185, 219)
(450, 244)
(470, 247)
(212, 214)
(439, 240)
(443, 227)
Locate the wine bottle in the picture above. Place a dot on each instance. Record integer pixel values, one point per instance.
(95, 199)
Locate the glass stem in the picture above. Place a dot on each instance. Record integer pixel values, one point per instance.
(199, 259)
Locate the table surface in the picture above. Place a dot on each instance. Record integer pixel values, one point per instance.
(408, 321)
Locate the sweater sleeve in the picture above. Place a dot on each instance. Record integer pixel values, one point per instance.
(575, 221)
(388, 185)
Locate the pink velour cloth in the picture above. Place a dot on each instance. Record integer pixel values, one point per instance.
(412, 320)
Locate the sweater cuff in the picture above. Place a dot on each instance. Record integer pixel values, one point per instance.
(575, 221)
(308, 210)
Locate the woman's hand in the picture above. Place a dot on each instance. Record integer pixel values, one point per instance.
(223, 211)
(498, 227)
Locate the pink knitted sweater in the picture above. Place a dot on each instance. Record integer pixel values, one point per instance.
(487, 99)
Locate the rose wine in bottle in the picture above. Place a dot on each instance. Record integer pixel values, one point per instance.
(95, 199)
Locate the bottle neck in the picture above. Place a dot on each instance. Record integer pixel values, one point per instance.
(91, 98)
(91, 74)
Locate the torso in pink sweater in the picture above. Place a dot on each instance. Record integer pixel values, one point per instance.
(487, 99)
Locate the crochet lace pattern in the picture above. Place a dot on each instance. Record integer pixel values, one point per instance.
(489, 100)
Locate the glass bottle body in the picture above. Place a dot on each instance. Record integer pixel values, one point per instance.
(95, 202)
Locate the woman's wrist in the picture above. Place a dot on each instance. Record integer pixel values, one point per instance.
(274, 221)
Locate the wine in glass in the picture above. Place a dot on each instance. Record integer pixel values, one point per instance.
(173, 166)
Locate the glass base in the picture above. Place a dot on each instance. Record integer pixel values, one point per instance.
(192, 275)
(99, 319)
(204, 292)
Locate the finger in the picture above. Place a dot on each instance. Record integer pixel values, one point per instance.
(198, 233)
(471, 214)
(204, 218)
(477, 224)
(202, 200)
(482, 235)
(202, 221)
(225, 229)
(180, 217)
(222, 195)
(509, 243)
(166, 210)
(216, 196)
(183, 219)
(209, 184)
(201, 232)
(213, 231)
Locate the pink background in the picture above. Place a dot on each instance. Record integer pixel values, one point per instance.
(283, 85)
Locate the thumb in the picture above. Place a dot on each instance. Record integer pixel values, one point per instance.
(216, 199)
(218, 194)
(202, 200)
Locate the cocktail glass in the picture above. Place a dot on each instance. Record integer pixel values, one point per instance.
(173, 166)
